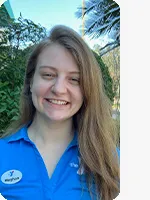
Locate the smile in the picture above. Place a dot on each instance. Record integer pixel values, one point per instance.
(58, 102)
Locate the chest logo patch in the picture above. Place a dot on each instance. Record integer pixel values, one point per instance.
(11, 177)
(80, 170)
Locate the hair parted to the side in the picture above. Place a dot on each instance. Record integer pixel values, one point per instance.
(93, 122)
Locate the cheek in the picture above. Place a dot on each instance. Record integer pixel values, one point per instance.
(39, 90)
(79, 96)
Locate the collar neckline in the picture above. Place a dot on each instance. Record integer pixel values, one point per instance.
(22, 133)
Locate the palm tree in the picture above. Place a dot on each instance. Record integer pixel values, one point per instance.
(102, 17)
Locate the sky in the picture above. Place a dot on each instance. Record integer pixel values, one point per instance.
(51, 12)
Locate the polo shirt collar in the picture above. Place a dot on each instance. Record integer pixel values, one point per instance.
(22, 134)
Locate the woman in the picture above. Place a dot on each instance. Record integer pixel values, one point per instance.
(62, 147)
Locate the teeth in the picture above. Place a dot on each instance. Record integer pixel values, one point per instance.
(58, 102)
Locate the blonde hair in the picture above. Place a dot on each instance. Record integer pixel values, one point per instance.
(95, 126)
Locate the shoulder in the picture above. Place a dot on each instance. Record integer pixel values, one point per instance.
(10, 145)
(5, 149)
(15, 136)
(4, 141)
(2, 144)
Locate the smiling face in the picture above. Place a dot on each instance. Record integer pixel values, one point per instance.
(56, 92)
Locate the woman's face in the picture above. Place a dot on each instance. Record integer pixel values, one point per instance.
(56, 92)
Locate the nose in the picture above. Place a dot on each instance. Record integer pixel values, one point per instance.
(59, 86)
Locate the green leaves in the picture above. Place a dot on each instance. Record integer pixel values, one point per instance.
(9, 109)
(108, 82)
(102, 18)
(17, 39)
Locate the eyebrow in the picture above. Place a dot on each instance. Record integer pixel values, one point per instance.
(53, 68)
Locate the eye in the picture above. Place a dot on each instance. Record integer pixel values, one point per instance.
(48, 75)
(75, 80)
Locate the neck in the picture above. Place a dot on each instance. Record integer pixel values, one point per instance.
(48, 132)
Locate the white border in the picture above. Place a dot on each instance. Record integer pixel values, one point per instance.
(135, 100)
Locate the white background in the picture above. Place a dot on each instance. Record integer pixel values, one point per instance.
(135, 100)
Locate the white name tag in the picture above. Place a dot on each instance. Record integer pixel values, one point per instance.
(1, 197)
(11, 177)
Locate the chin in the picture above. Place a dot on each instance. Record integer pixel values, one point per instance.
(58, 118)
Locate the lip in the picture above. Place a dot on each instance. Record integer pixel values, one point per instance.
(57, 106)
(57, 99)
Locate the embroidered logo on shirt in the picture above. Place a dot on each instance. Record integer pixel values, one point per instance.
(80, 170)
(11, 177)
(1, 197)
(74, 165)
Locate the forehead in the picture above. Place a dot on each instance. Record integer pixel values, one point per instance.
(58, 57)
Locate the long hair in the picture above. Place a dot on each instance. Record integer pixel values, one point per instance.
(93, 121)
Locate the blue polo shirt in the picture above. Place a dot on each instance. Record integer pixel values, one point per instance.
(23, 175)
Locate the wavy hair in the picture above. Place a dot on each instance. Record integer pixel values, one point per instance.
(94, 123)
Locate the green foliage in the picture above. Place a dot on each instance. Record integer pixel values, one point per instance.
(101, 17)
(108, 82)
(112, 60)
(9, 104)
(15, 44)
(11, 79)
(4, 17)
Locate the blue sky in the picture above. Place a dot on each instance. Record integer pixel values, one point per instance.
(50, 12)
